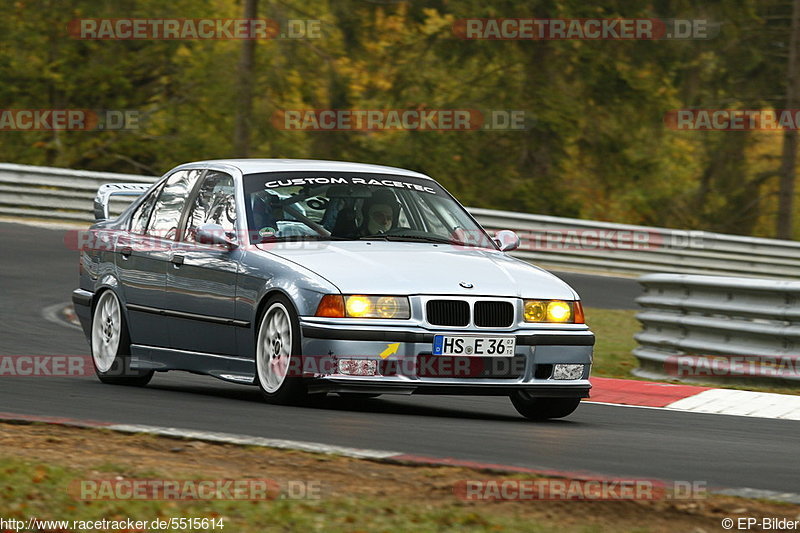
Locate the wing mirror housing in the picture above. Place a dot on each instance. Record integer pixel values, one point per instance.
(214, 234)
(507, 240)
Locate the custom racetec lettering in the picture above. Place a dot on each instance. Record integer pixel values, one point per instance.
(289, 182)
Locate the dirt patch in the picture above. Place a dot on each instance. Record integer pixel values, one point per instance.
(95, 453)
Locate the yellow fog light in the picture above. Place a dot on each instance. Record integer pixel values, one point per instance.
(361, 306)
(558, 311)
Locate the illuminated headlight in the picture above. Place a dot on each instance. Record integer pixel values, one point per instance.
(358, 367)
(358, 306)
(563, 371)
(558, 311)
(362, 306)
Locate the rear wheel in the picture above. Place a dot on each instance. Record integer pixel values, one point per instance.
(543, 408)
(111, 344)
(278, 354)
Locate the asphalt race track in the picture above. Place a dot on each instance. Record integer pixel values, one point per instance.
(37, 271)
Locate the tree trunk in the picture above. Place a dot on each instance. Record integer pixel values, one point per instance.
(789, 155)
(246, 79)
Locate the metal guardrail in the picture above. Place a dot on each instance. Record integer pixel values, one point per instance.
(708, 326)
(590, 244)
(56, 193)
(67, 195)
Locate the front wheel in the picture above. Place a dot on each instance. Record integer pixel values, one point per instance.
(111, 344)
(543, 408)
(278, 354)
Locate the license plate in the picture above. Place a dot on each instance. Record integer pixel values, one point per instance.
(473, 345)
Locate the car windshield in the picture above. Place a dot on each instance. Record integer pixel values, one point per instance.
(344, 206)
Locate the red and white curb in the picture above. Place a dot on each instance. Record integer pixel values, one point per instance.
(695, 399)
(383, 456)
(62, 314)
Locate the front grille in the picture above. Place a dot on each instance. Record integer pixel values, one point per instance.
(448, 313)
(494, 314)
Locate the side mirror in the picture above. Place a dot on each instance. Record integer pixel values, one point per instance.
(507, 240)
(214, 234)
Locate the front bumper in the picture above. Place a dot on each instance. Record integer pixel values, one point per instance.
(410, 368)
(82, 303)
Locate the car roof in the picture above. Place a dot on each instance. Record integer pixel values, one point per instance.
(255, 166)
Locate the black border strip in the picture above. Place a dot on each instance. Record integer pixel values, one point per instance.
(315, 332)
(471, 388)
(562, 339)
(189, 316)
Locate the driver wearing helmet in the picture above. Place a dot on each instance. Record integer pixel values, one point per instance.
(380, 213)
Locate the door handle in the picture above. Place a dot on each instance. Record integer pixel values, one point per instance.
(126, 252)
(177, 260)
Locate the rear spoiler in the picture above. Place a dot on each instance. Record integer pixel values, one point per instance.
(105, 192)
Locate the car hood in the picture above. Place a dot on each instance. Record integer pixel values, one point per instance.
(379, 267)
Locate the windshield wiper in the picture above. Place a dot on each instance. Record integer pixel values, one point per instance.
(288, 238)
(409, 238)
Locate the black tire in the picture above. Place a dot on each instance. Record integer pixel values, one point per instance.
(119, 372)
(534, 408)
(291, 389)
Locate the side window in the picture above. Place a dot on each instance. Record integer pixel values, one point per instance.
(167, 212)
(142, 213)
(214, 204)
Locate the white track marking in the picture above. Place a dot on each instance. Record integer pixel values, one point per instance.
(761, 494)
(314, 447)
(741, 403)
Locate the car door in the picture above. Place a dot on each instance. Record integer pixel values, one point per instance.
(201, 278)
(144, 253)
